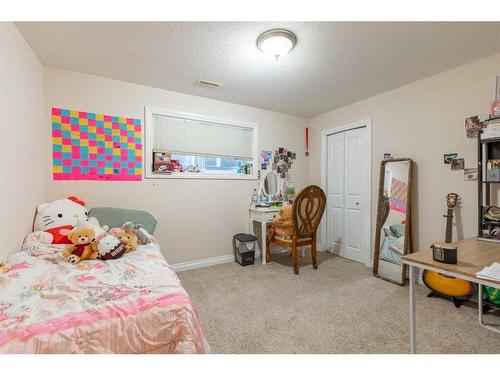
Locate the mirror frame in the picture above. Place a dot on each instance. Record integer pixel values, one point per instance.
(380, 216)
(263, 182)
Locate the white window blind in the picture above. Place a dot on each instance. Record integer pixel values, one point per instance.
(183, 136)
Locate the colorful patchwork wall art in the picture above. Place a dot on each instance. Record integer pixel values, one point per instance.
(93, 146)
(399, 192)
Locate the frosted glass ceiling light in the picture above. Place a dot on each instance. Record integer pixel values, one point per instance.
(276, 43)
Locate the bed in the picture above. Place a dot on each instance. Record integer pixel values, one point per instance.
(134, 304)
(393, 244)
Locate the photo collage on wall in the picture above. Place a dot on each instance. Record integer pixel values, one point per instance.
(281, 162)
(458, 164)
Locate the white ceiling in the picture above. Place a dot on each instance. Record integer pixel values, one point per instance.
(332, 65)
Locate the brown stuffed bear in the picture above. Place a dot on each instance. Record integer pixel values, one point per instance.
(82, 249)
(128, 238)
(283, 224)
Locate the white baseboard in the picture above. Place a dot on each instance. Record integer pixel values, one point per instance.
(201, 263)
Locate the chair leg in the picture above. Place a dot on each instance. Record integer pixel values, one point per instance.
(268, 250)
(294, 258)
(313, 253)
(269, 238)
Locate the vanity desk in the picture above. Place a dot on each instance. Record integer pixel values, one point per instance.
(262, 215)
(271, 190)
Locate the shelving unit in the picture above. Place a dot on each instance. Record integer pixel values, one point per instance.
(487, 149)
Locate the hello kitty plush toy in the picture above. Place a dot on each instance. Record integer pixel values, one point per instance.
(59, 217)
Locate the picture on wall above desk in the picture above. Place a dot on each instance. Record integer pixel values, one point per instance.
(265, 157)
(93, 146)
(282, 161)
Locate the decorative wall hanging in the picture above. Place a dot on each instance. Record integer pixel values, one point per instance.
(307, 141)
(447, 158)
(457, 164)
(92, 146)
(264, 158)
(399, 191)
(470, 174)
(472, 126)
(282, 161)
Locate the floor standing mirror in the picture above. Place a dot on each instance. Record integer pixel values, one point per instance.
(393, 232)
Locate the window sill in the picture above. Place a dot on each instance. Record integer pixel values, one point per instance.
(199, 176)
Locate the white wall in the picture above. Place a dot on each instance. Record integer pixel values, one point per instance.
(424, 120)
(196, 218)
(22, 142)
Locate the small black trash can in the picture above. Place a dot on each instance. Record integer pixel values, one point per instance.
(244, 248)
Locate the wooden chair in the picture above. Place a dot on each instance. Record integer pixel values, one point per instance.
(307, 210)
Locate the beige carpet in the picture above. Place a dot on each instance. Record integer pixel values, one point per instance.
(339, 308)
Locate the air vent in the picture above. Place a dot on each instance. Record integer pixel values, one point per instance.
(203, 82)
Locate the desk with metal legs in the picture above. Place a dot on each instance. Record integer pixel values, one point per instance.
(473, 256)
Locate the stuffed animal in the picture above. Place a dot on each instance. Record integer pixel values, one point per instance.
(129, 238)
(82, 248)
(283, 224)
(93, 224)
(140, 232)
(110, 247)
(59, 217)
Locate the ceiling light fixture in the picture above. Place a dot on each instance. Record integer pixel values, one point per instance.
(276, 43)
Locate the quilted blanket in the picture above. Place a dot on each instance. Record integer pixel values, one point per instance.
(134, 304)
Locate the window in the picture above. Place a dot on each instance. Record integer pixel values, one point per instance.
(213, 165)
(188, 146)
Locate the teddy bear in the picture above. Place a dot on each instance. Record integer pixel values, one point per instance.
(93, 223)
(283, 224)
(128, 237)
(140, 232)
(59, 217)
(82, 239)
(143, 237)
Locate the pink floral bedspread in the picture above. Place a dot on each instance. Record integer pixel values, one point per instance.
(134, 304)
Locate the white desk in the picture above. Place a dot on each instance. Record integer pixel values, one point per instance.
(262, 216)
(473, 256)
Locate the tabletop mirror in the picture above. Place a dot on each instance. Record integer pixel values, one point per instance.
(393, 234)
(270, 186)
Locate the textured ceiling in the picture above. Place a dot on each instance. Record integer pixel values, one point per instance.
(332, 65)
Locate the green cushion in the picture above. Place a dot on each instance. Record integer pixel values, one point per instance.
(116, 217)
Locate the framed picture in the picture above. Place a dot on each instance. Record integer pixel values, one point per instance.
(457, 164)
(447, 158)
(470, 174)
(472, 126)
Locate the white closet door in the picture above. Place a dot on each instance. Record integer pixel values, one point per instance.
(335, 191)
(356, 210)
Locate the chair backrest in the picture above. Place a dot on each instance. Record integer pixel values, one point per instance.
(308, 208)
